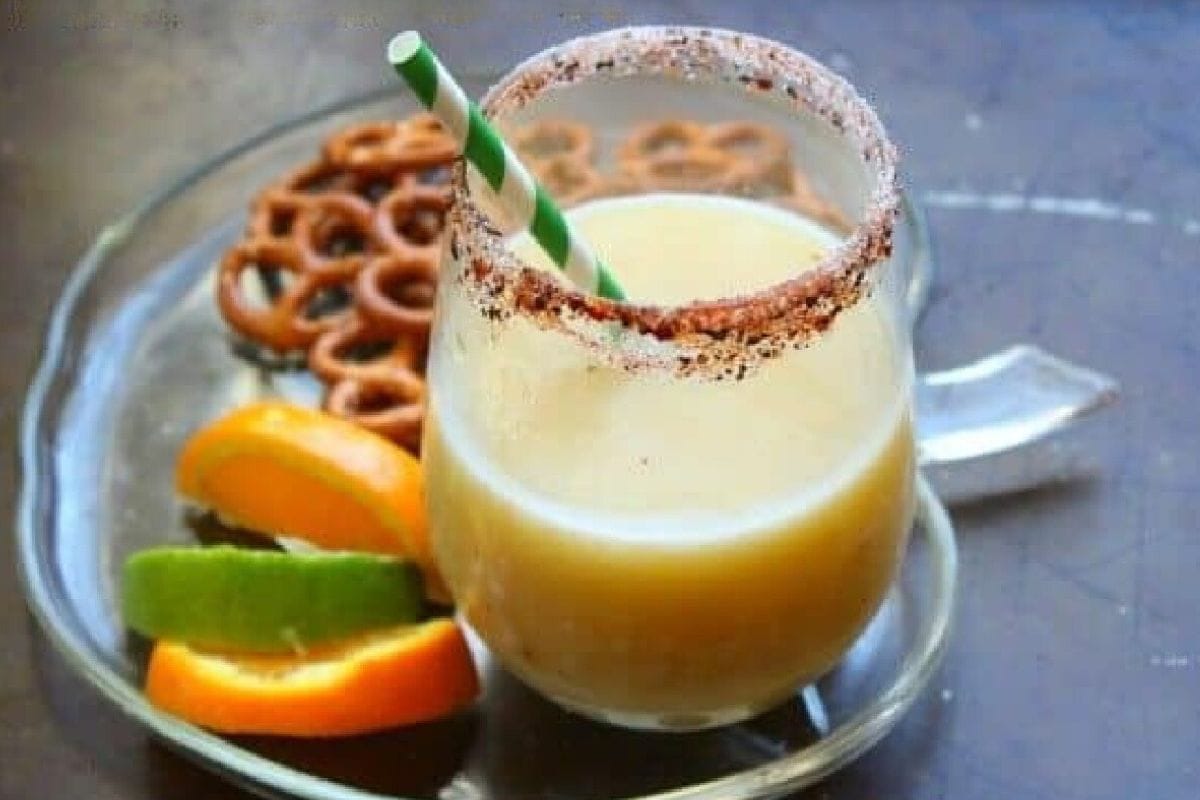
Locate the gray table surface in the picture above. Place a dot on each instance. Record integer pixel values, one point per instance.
(1057, 147)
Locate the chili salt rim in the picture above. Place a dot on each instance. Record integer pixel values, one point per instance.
(720, 338)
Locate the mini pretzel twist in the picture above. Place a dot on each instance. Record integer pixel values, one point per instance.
(570, 180)
(273, 214)
(676, 155)
(286, 321)
(657, 139)
(412, 216)
(374, 375)
(330, 228)
(762, 161)
(318, 177)
(394, 409)
(416, 143)
(396, 293)
(362, 348)
(553, 139)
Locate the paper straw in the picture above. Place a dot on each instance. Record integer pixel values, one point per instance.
(482, 146)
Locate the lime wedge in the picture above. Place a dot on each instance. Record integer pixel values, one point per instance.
(265, 601)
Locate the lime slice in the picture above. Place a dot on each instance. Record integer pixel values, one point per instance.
(265, 601)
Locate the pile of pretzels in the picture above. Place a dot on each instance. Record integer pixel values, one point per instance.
(339, 261)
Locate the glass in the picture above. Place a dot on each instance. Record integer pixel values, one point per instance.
(672, 516)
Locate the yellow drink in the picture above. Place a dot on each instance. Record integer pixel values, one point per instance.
(670, 551)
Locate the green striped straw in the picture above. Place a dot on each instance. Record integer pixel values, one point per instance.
(520, 194)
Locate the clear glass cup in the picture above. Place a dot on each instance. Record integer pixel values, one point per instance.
(673, 516)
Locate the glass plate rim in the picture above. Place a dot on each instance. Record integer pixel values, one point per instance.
(255, 772)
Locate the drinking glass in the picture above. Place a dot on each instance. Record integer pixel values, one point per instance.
(692, 558)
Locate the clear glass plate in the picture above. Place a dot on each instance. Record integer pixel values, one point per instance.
(137, 357)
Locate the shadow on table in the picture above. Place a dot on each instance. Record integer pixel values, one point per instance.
(1036, 500)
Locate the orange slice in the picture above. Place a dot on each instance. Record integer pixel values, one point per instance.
(398, 677)
(288, 470)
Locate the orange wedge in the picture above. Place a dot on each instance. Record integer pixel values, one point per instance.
(288, 470)
(398, 677)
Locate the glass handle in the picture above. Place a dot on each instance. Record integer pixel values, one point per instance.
(982, 428)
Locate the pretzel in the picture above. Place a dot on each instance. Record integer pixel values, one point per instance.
(680, 155)
(317, 177)
(552, 139)
(331, 227)
(676, 155)
(292, 319)
(654, 140)
(414, 143)
(273, 214)
(570, 180)
(703, 169)
(411, 217)
(374, 375)
(762, 157)
(396, 293)
(394, 409)
(362, 349)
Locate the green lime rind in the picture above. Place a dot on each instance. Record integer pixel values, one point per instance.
(230, 598)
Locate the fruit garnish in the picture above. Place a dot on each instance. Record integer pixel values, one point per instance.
(287, 470)
(265, 601)
(396, 677)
